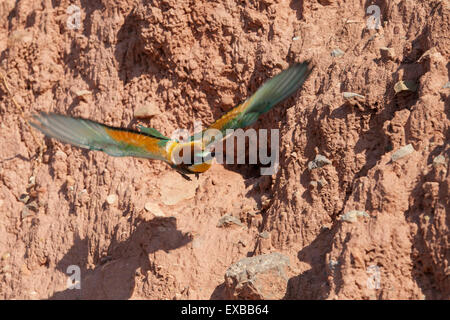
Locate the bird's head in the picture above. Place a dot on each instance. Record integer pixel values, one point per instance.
(191, 157)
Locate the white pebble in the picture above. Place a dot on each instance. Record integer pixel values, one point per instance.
(402, 152)
(337, 53)
(352, 216)
(111, 199)
(349, 95)
(154, 209)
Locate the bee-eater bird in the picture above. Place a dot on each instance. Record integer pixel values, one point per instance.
(150, 143)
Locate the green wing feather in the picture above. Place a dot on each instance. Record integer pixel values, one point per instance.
(152, 132)
(265, 98)
(92, 135)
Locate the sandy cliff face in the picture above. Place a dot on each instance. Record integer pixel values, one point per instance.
(371, 224)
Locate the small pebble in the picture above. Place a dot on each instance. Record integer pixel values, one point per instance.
(111, 199)
(387, 53)
(333, 264)
(349, 95)
(31, 182)
(24, 198)
(406, 85)
(25, 213)
(351, 21)
(439, 160)
(337, 53)
(154, 209)
(318, 162)
(83, 94)
(264, 235)
(352, 216)
(402, 152)
(228, 220)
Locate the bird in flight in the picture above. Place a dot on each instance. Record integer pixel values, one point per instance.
(150, 143)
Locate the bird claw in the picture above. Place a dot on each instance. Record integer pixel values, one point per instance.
(185, 176)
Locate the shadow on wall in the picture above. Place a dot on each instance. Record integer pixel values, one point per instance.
(313, 284)
(297, 5)
(430, 274)
(113, 276)
(132, 60)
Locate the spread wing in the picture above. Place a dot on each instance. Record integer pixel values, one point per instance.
(265, 98)
(92, 135)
